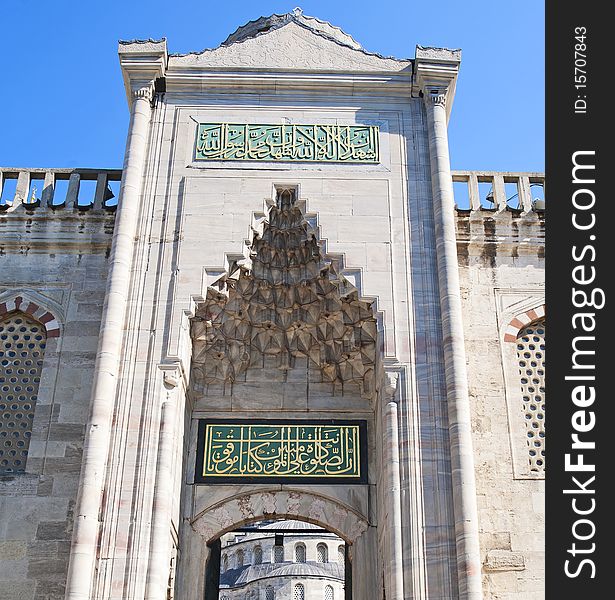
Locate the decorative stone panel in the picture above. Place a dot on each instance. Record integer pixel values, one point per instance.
(504, 560)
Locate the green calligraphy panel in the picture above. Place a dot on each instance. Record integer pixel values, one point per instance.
(288, 142)
(235, 451)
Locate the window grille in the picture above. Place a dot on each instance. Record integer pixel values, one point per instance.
(300, 553)
(269, 593)
(299, 592)
(328, 593)
(341, 555)
(278, 554)
(322, 555)
(531, 356)
(258, 555)
(22, 346)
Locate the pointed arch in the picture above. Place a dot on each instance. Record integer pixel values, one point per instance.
(521, 320)
(34, 308)
(242, 509)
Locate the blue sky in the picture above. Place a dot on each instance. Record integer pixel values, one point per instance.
(63, 100)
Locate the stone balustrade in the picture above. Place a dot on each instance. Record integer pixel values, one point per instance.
(35, 190)
(523, 201)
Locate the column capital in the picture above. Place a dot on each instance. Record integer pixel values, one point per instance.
(435, 97)
(390, 385)
(146, 92)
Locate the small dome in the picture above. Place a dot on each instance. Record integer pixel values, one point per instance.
(291, 524)
(300, 570)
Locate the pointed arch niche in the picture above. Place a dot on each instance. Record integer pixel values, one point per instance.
(284, 328)
(284, 334)
(29, 338)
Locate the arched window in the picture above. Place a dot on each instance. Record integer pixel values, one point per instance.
(22, 346)
(328, 593)
(278, 554)
(341, 555)
(531, 356)
(300, 553)
(258, 555)
(239, 559)
(225, 563)
(269, 593)
(299, 592)
(322, 554)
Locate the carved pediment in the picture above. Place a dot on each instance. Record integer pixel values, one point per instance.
(287, 301)
(291, 46)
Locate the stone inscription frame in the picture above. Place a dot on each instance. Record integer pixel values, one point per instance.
(287, 143)
(265, 451)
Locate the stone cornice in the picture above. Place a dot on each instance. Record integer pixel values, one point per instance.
(191, 81)
(435, 77)
(142, 62)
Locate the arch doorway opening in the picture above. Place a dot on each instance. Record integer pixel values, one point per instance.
(279, 560)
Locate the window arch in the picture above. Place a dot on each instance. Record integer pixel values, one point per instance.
(531, 359)
(258, 555)
(341, 554)
(22, 348)
(269, 593)
(328, 593)
(278, 554)
(225, 563)
(322, 553)
(239, 559)
(300, 553)
(299, 592)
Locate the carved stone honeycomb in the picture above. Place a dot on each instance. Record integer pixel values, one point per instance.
(286, 301)
(531, 355)
(22, 345)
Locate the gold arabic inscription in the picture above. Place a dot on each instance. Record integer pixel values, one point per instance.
(265, 450)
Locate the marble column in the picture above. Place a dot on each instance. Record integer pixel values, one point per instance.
(460, 433)
(85, 534)
(164, 490)
(393, 494)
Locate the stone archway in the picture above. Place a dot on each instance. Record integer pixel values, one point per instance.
(250, 507)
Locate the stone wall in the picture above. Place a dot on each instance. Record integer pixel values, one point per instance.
(501, 259)
(51, 264)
